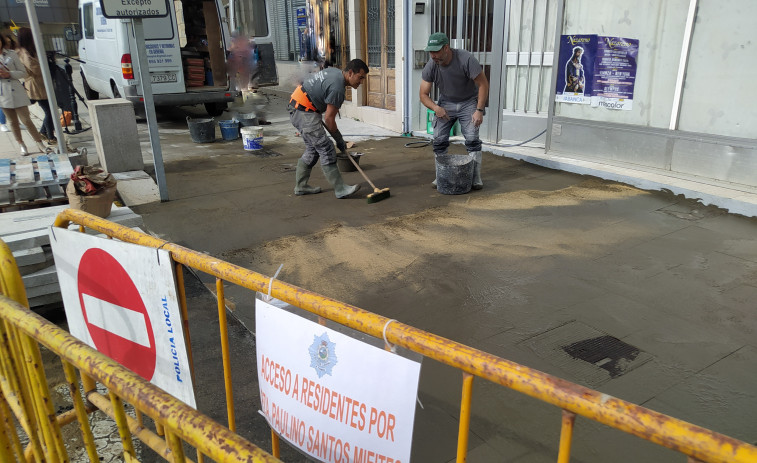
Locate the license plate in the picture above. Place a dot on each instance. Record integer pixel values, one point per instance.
(159, 78)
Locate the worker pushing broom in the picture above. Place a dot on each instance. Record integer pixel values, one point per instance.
(313, 107)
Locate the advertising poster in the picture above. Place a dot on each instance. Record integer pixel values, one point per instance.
(337, 399)
(615, 72)
(575, 69)
(120, 298)
(597, 70)
(302, 32)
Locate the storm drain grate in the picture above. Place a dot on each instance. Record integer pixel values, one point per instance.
(587, 356)
(606, 352)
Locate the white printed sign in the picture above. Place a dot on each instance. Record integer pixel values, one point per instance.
(335, 398)
(120, 298)
(134, 8)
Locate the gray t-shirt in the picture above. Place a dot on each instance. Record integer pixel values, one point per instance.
(454, 81)
(325, 87)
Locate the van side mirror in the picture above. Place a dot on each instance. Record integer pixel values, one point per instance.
(71, 33)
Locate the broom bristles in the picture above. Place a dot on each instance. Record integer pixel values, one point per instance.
(377, 196)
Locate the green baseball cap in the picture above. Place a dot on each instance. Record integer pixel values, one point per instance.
(437, 41)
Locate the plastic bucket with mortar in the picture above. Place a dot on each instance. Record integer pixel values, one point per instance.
(454, 173)
(202, 130)
(252, 138)
(229, 129)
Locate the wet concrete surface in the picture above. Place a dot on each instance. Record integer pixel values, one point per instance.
(535, 256)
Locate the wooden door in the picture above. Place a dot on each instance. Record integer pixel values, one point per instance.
(380, 51)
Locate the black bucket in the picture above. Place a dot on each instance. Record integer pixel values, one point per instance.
(247, 120)
(344, 164)
(202, 130)
(454, 173)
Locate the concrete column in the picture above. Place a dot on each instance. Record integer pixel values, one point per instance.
(115, 130)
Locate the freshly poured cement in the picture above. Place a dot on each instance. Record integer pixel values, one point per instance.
(536, 262)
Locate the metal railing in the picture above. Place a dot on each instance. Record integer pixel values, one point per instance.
(25, 394)
(698, 443)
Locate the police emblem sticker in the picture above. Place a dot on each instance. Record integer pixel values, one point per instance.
(322, 354)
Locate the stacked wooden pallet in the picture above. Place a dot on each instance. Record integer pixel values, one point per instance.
(33, 181)
(26, 234)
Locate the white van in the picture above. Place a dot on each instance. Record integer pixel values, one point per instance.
(186, 53)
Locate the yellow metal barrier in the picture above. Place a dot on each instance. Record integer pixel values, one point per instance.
(25, 394)
(696, 442)
(24, 328)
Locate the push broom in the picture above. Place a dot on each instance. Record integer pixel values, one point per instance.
(378, 194)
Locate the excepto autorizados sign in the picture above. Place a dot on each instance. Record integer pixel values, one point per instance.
(134, 8)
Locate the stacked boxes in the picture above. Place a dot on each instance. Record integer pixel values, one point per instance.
(194, 71)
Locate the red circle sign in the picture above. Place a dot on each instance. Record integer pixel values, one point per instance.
(108, 296)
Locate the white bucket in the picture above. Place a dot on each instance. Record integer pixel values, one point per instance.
(252, 138)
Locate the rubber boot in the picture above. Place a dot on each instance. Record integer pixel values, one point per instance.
(436, 172)
(302, 176)
(477, 182)
(341, 190)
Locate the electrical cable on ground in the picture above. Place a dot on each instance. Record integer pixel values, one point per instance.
(425, 141)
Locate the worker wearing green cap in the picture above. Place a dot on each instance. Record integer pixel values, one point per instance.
(463, 91)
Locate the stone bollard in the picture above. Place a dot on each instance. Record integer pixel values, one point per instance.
(116, 139)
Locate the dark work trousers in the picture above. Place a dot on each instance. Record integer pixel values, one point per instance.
(462, 112)
(317, 141)
(47, 129)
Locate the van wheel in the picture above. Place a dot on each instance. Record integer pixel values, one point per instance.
(116, 94)
(88, 92)
(215, 109)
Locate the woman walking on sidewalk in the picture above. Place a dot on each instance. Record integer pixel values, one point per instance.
(13, 98)
(35, 85)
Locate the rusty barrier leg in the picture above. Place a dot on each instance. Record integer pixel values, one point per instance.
(465, 411)
(81, 410)
(123, 427)
(225, 353)
(11, 283)
(275, 446)
(8, 436)
(566, 436)
(152, 440)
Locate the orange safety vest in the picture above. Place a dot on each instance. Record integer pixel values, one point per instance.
(300, 98)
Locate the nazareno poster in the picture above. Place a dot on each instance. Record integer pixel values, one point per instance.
(575, 69)
(597, 70)
(615, 72)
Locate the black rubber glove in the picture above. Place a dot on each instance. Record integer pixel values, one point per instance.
(339, 141)
(342, 146)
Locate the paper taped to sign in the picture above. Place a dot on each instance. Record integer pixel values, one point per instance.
(334, 397)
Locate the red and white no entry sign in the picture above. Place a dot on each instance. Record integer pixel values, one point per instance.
(115, 314)
(121, 299)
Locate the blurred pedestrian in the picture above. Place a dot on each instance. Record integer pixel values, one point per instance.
(13, 98)
(9, 42)
(239, 62)
(35, 84)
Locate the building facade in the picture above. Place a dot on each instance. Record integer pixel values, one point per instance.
(677, 99)
(53, 16)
